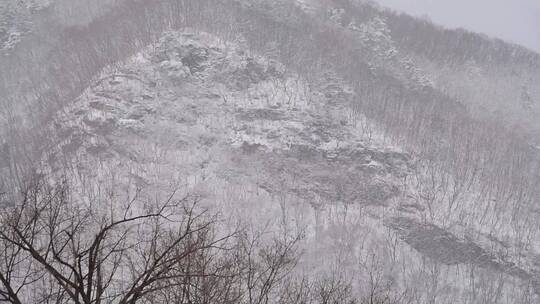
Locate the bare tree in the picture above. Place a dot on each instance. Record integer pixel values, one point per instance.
(59, 249)
(267, 264)
(97, 256)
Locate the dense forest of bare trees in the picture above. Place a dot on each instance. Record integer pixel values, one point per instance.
(64, 252)
(57, 249)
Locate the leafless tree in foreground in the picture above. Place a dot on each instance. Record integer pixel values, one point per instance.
(94, 256)
(55, 248)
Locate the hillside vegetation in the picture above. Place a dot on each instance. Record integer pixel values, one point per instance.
(350, 153)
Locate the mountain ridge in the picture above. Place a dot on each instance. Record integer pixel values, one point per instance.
(328, 116)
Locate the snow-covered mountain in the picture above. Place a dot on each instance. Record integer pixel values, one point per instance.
(405, 151)
(260, 143)
(489, 76)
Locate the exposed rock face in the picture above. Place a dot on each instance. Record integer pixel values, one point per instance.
(183, 98)
(444, 247)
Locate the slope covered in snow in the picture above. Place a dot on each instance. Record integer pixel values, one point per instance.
(489, 76)
(16, 18)
(375, 133)
(260, 143)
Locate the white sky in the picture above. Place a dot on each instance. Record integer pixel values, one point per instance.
(517, 21)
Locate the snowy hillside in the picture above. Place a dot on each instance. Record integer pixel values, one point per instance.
(399, 154)
(259, 143)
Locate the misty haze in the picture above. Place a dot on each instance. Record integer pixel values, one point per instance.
(269, 152)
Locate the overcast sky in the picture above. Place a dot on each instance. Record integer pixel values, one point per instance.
(512, 20)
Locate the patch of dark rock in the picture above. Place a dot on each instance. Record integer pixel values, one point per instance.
(194, 59)
(80, 112)
(320, 134)
(261, 114)
(273, 134)
(182, 145)
(324, 130)
(438, 244)
(368, 161)
(351, 188)
(358, 156)
(251, 73)
(444, 247)
(207, 141)
(255, 71)
(273, 71)
(411, 208)
(97, 105)
(379, 193)
(135, 116)
(212, 96)
(74, 144)
(330, 155)
(248, 148)
(314, 178)
(159, 56)
(304, 153)
(100, 126)
(395, 162)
